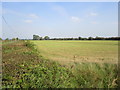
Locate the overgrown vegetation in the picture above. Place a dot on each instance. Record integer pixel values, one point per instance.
(96, 75)
(24, 68)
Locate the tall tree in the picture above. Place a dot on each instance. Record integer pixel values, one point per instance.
(90, 38)
(46, 38)
(79, 38)
(17, 38)
(7, 39)
(36, 37)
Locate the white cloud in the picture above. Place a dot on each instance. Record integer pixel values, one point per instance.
(33, 16)
(28, 21)
(93, 14)
(75, 19)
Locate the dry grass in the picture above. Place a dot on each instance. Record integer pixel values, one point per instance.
(79, 51)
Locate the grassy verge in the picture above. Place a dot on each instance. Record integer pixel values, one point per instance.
(24, 68)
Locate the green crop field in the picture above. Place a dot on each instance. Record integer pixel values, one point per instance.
(79, 51)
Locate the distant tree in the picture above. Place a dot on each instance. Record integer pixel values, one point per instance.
(79, 38)
(90, 38)
(75, 39)
(84, 38)
(46, 38)
(36, 37)
(0, 38)
(17, 38)
(7, 39)
(13, 38)
(40, 38)
(100, 38)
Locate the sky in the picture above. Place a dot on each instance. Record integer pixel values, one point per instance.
(59, 19)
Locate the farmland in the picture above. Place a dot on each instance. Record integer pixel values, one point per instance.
(60, 64)
(79, 51)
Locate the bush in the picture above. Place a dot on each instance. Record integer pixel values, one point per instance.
(29, 44)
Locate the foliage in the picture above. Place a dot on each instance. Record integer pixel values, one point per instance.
(15, 38)
(36, 37)
(7, 39)
(46, 38)
(32, 73)
(89, 38)
(29, 44)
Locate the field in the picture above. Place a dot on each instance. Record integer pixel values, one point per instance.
(59, 64)
(79, 51)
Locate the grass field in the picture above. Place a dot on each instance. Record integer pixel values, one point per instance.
(59, 64)
(79, 51)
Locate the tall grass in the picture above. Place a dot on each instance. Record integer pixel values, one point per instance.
(95, 75)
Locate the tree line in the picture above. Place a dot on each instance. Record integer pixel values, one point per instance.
(10, 39)
(37, 37)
